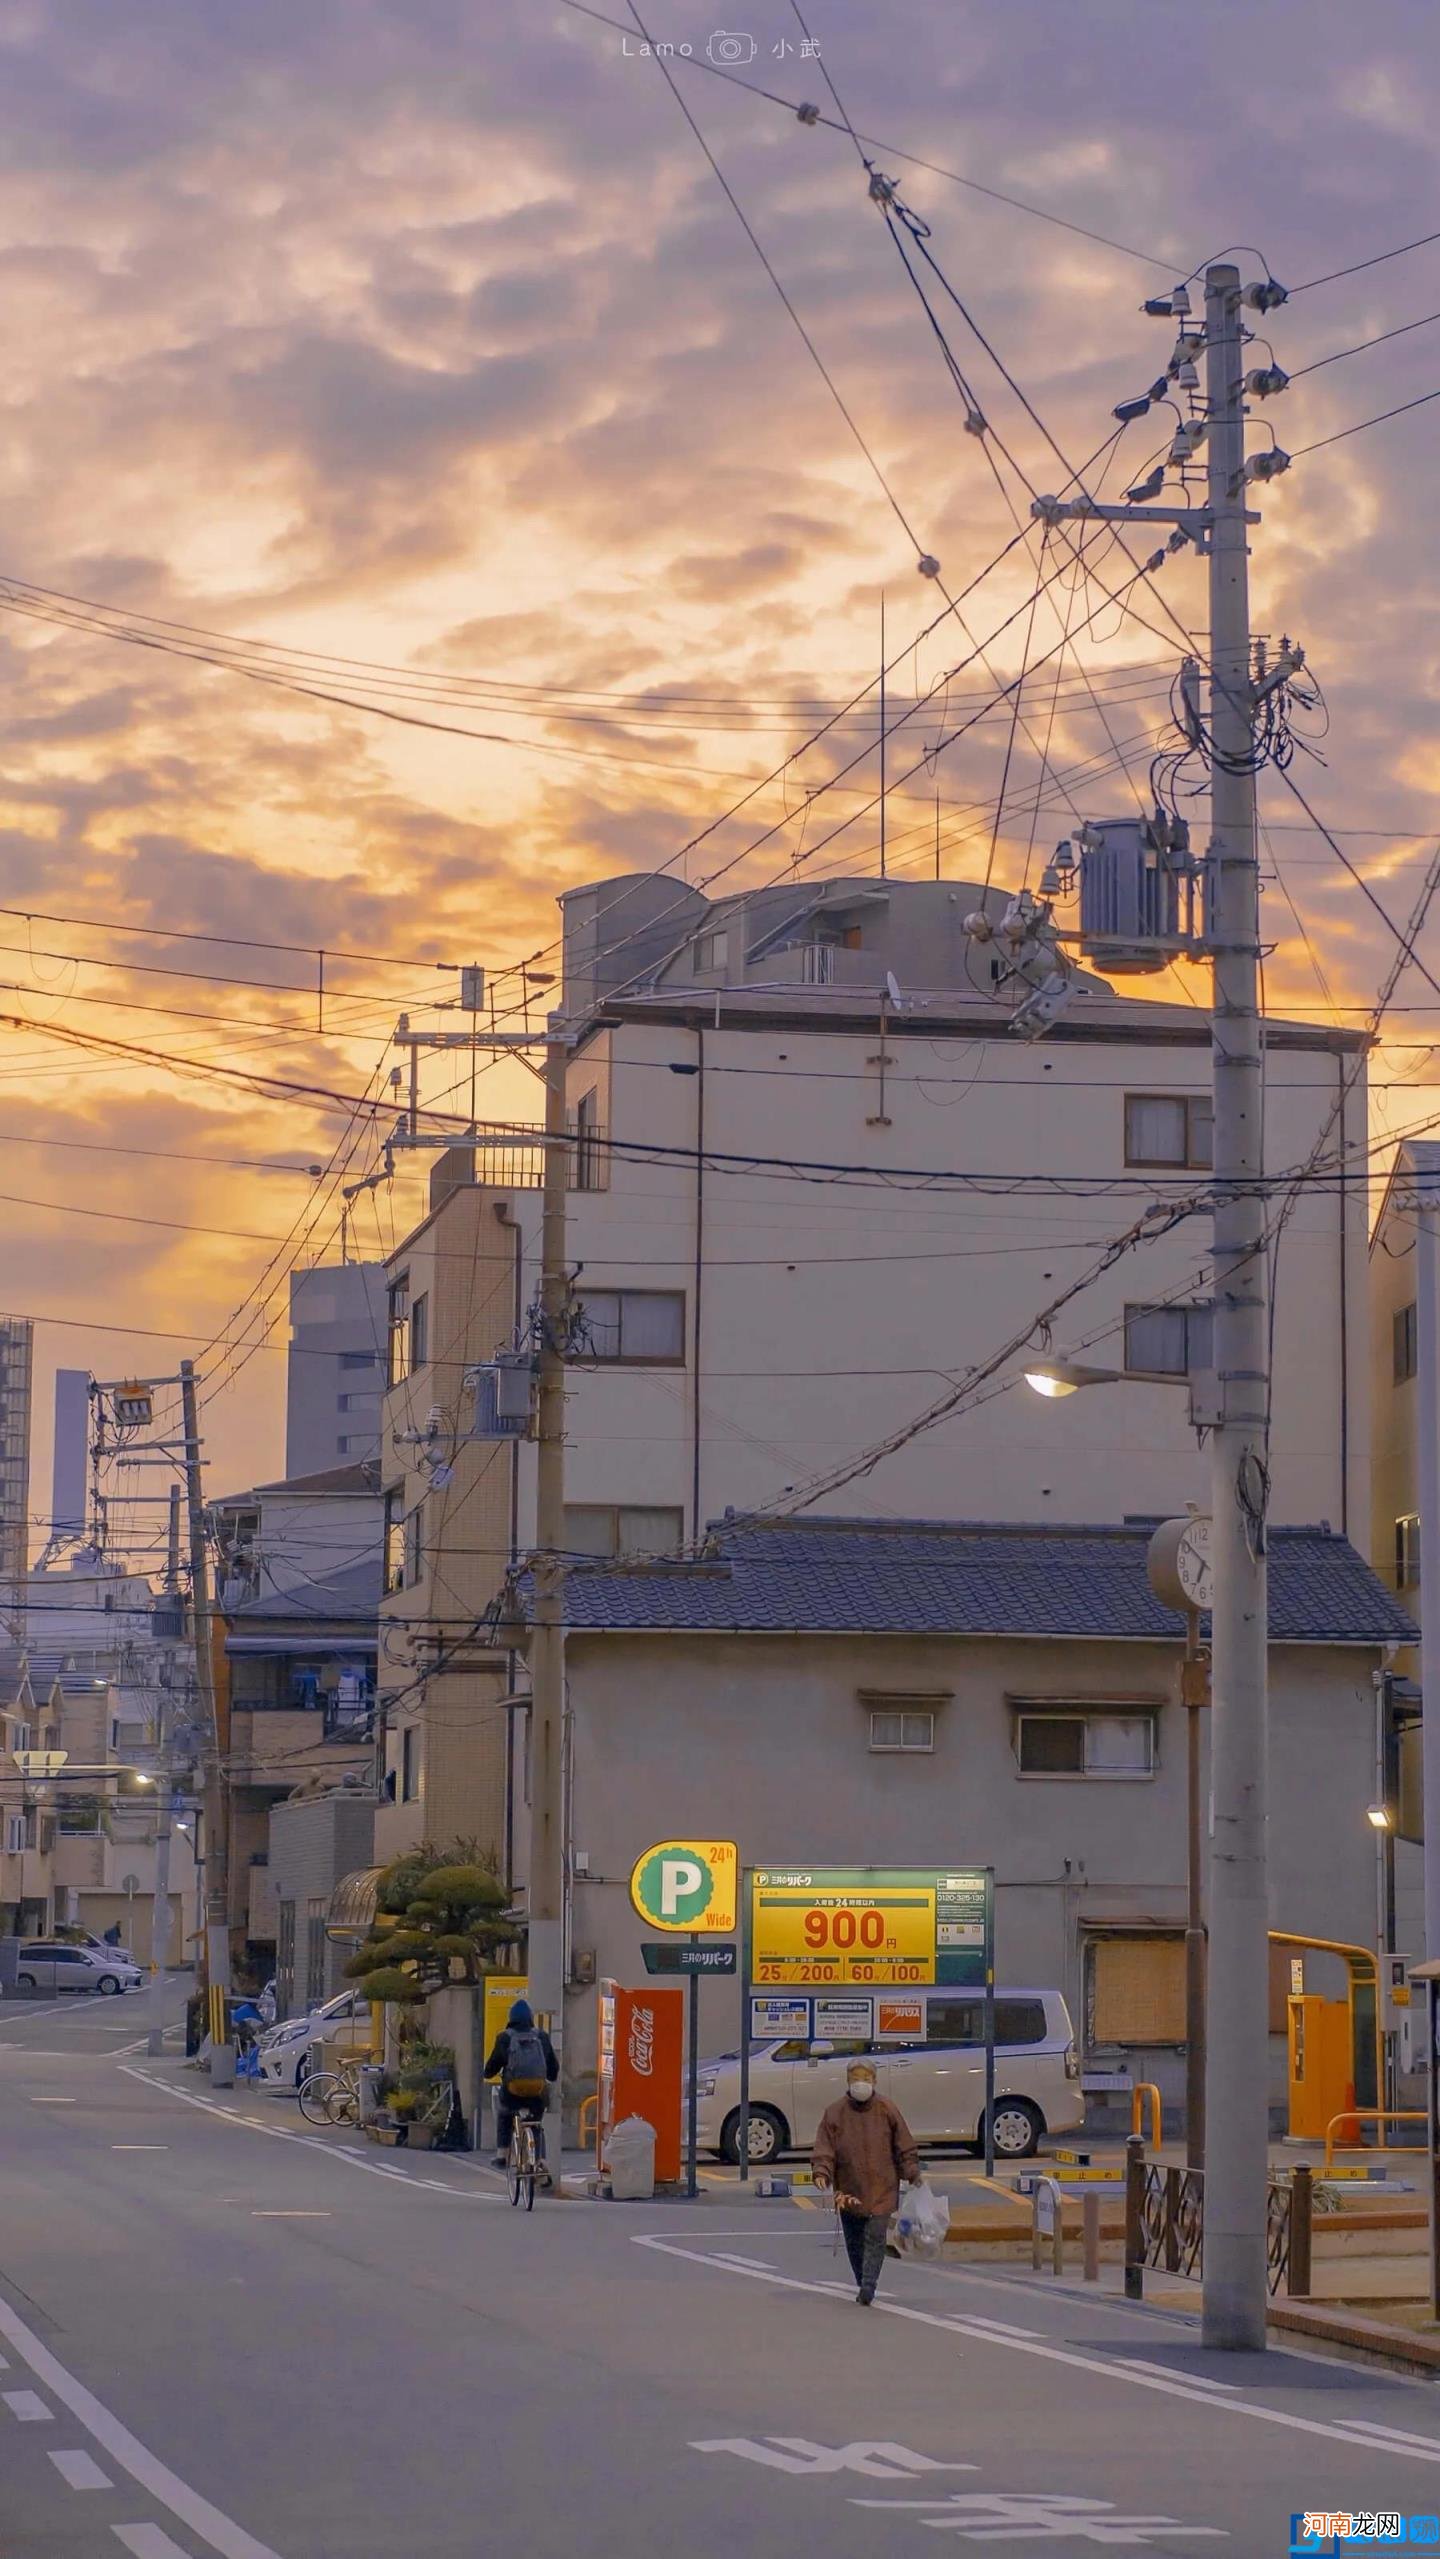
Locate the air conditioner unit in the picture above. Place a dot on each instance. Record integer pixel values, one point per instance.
(1137, 894)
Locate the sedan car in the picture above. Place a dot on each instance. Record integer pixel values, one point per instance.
(287, 2054)
(44, 1964)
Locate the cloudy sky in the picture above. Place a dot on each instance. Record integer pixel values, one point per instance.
(423, 335)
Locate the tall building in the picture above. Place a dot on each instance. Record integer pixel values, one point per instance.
(17, 1356)
(336, 1368)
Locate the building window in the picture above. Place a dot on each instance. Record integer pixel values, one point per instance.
(619, 1529)
(644, 1327)
(397, 1300)
(414, 1544)
(892, 1728)
(1170, 1128)
(359, 1359)
(410, 1764)
(15, 1840)
(419, 1333)
(1083, 1742)
(1136, 1990)
(1404, 1342)
(588, 1172)
(393, 1560)
(1407, 1552)
(712, 951)
(1169, 1341)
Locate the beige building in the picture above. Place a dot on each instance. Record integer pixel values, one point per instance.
(816, 1180)
(882, 1692)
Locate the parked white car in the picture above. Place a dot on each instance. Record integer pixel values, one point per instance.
(938, 2083)
(44, 1964)
(287, 2054)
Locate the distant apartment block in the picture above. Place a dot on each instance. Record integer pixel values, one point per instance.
(336, 1369)
(17, 1356)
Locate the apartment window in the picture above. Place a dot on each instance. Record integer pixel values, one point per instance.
(587, 1142)
(618, 1529)
(414, 1544)
(898, 1728)
(359, 1359)
(712, 951)
(15, 1833)
(1404, 1342)
(393, 1559)
(316, 1912)
(1407, 1552)
(1169, 1128)
(1169, 1341)
(1084, 1742)
(397, 1301)
(410, 1764)
(419, 1333)
(19, 1737)
(642, 1326)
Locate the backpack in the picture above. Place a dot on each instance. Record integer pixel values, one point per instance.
(525, 2074)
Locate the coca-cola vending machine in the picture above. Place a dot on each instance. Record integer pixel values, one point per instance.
(639, 2042)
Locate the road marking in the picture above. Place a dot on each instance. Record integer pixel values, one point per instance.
(79, 2471)
(976, 2513)
(728, 2258)
(1367, 2427)
(1170, 2386)
(288, 2212)
(148, 2541)
(1008, 2328)
(315, 2143)
(139, 2145)
(1200, 2380)
(29, 2407)
(229, 2540)
(805, 2460)
(54, 2101)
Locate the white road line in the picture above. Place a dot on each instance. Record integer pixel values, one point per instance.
(147, 2541)
(1167, 2372)
(1387, 2434)
(288, 2212)
(79, 2471)
(54, 2101)
(139, 2145)
(229, 2540)
(315, 2143)
(29, 2407)
(1171, 2386)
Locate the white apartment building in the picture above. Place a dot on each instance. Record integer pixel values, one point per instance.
(817, 1181)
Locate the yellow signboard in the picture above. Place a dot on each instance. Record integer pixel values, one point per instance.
(862, 1932)
(688, 1886)
(501, 1992)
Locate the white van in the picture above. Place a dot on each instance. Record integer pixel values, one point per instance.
(938, 2084)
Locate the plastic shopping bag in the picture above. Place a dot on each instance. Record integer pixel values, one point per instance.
(923, 2220)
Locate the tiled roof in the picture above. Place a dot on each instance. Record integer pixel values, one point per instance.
(930, 1577)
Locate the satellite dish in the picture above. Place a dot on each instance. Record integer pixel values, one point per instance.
(892, 989)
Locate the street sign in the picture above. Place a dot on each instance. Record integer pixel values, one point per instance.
(688, 1886)
(668, 1958)
(852, 1927)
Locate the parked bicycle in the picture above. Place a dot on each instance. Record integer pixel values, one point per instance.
(331, 2096)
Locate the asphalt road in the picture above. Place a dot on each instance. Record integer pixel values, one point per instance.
(224, 2334)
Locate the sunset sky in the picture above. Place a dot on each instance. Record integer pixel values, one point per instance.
(423, 334)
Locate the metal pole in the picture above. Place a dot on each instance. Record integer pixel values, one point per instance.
(217, 1808)
(1427, 1437)
(747, 1887)
(692, 2120)
(1195, 1689)
(989, 2024)
(545, 1891)
(160, 1898)
(1237, 2096)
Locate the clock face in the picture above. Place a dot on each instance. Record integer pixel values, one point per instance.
(1192, 1563)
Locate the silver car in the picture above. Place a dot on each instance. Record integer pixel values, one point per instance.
(46, 1964)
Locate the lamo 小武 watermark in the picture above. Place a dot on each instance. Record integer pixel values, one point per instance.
(726, 49)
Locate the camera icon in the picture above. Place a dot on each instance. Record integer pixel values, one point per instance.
(726, 50)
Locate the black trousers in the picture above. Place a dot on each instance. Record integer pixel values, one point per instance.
(506, 2110)
(865, 2245)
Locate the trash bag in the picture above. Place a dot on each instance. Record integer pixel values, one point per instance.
(922, 2221)
(630, 2158)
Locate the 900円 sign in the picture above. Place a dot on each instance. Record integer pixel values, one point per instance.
(868, 1926)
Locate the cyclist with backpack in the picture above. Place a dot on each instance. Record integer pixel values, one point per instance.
(523, 2061)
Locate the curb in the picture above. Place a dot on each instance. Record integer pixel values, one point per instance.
(1400, 2348)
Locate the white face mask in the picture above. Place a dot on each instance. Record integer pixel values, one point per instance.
(862, 2090)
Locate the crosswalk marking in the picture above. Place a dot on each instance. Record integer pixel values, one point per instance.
(28, 2406)
(79, 2471)
(147, 2541)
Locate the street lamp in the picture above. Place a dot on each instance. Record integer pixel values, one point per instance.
(1057, 1377)
(1378, 1816)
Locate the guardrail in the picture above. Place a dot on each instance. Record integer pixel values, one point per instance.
(1145, 2088)
(1369, 2115)
(1165, 2224)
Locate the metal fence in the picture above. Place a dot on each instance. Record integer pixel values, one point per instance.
(1165, 2224)
(513, 1158)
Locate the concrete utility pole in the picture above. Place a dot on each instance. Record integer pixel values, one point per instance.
(217, 1805)
(164, 1824)
(1427, 1433)
(1237, 2092)
(545, 1887)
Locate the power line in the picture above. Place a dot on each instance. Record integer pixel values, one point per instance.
(1362, 264)
(1362, 423)
(1362, 344)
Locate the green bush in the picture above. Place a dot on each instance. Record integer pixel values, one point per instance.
(437, 1911)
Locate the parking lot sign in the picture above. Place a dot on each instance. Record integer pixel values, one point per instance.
(689, 1886)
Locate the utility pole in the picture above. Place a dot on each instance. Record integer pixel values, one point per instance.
(1427, 1437)
(160, 1898)
(217, 1809)
(546, 1879)
(1237, 2090)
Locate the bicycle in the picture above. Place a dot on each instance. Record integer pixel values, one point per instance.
(522, 2165)
(331, 2096)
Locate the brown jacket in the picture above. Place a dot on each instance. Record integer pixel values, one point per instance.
(864, 2151)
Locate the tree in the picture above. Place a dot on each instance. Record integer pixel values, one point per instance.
(438, 1913)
